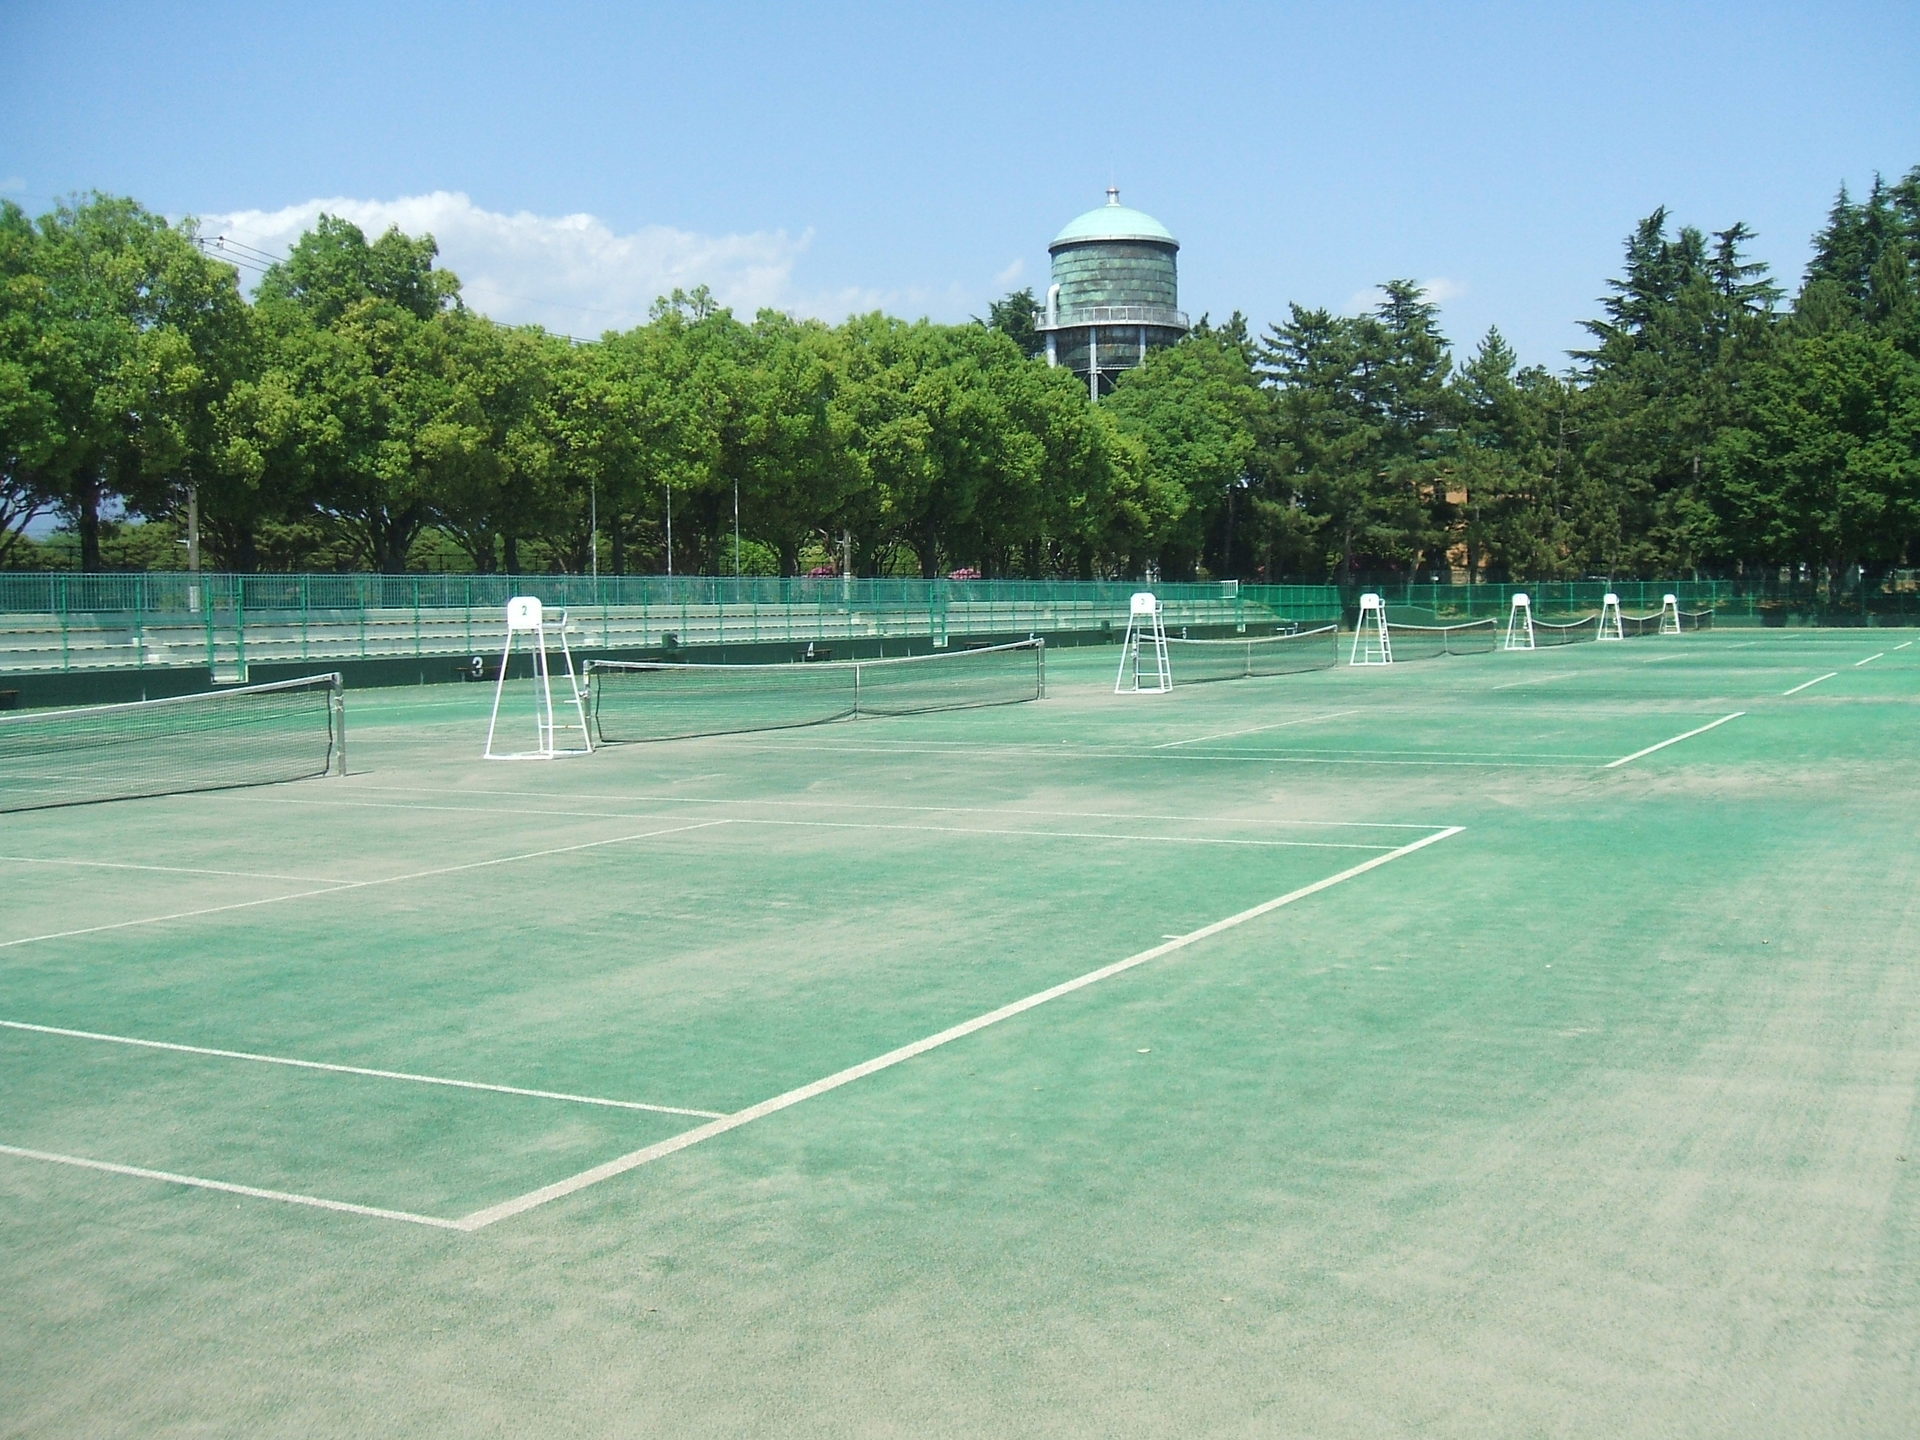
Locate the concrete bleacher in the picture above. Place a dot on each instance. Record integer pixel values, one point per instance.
(39, 644)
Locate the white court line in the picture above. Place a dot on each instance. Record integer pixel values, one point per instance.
(1869, 660)
(816, 804)
(573, 1184)
(1542, 679)
(1252, 729)
(1265, 757)
(1903, 644)
(872, 825)
(1815, 681)
(356, 885)
(354, 1070)
(1064, 834)
(253, 1191)
(1611, 764)
(170, 869)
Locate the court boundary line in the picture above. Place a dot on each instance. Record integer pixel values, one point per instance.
(1254, 729)
(1059, 834)
(863, 825)
(1869, 660)
(255, 1192)
(1711, 724)
(1249, 757)
(357, 884)
(813, 804)
(620, 1165)
(167, 869)
(361, 1070)
(1809, 683)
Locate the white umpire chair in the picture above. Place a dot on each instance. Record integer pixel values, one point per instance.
(1143, 654)
(554, 736)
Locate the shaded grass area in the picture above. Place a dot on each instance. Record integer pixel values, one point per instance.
(1590, 1119)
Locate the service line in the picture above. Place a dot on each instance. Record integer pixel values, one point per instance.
(1252, 729)
(1807, 684)
(1869, 660)
(333, 1069)
(357, 885)
(1613, 764)
(197, 1182)
(573, 1184)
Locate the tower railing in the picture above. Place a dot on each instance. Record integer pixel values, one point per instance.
(1163, 315)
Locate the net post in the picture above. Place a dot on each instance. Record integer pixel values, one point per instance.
(337, 708)
(1041, 643)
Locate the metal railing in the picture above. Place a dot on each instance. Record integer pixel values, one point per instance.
(56, 623)
(1161, 315)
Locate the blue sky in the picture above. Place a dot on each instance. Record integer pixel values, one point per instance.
(576, 158)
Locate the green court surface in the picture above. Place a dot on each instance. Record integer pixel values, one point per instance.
(1494, 1045)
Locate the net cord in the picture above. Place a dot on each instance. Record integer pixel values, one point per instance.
(147, 707)
(816, 666)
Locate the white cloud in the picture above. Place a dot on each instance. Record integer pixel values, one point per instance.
(13, 185)
(1439, 291)
(575, 275)
(1010, 276)
(570, 273)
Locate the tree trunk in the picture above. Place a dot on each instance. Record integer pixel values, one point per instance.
(87, 522)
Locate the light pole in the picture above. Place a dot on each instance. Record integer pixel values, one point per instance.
(736, 527)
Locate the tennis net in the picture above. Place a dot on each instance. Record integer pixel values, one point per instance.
(1568, 632)
(254, 735)
(670, 700)
(1196, 661)
(1655, 624)
(1424, 642)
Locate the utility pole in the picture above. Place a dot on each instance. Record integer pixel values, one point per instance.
(193, 547)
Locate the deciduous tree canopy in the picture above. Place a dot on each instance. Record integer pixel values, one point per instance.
(356, 413)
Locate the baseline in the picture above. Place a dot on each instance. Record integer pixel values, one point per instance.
(573, 1184)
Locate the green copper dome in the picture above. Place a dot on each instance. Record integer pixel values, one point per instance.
(1114, 221)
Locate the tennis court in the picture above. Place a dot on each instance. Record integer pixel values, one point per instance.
(1503, 1043)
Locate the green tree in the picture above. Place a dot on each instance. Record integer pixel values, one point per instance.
(1195, 408)
(1826, 468)
(134, 348)
(1016, 315)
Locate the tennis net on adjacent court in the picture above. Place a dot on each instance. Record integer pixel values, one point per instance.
(253, 735)
(1197, 661)
(1568, 632)
(1424, 642)
(1662, 622)
(670, 700)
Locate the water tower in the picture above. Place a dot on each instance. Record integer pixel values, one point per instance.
(1115, 293)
